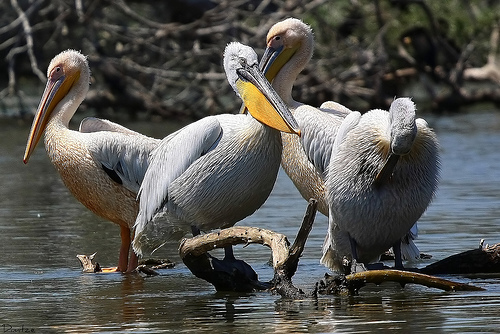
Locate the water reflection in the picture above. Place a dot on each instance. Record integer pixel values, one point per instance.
(42, 228)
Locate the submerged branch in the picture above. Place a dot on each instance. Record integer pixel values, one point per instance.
(482, 260)
(405, 277)
(194, 253)
(201, 244)
(350, 284)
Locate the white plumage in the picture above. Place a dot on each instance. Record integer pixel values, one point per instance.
(382, 175)
(102, 164)
(216, 171)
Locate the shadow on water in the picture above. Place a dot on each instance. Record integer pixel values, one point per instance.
(42, 228)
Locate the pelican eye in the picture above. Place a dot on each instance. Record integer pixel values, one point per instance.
(243, 62)
(57, 72)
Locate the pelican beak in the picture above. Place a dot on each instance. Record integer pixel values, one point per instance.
(262, 101)
(269, 66)
(56, 88)
(274, 59)
(386, 172)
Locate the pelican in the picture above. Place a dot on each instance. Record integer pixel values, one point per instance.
(290, 45)
(220, 169)
(103, 163)
(383, 173)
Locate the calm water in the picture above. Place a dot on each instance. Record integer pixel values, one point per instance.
(43, 228)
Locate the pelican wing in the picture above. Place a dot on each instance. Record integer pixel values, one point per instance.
(124, 157)
(350, 121)
(93, 124)
(170, 159)
(335, 108)
(316, 137)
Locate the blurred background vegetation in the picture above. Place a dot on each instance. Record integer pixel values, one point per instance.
(162, 59)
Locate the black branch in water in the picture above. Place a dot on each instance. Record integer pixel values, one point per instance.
(194, 253)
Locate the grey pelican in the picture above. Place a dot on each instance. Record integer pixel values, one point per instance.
(103, 163)
(220, 169)
(382, 175)
(290, 45)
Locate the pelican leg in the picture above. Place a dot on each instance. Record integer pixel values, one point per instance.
(124, 249)
(355, 265)
(398, 259)
(133, 261)
(195, 231)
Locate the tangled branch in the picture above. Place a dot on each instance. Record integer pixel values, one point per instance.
(164, 58)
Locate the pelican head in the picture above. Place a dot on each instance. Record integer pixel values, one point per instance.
(67, 84)
(284, 40)
(402, 132)
(403, 128)
(262, 101)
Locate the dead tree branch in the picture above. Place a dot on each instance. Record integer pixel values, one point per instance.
(482, 260)
(193, 253)
(29, 40)
(168, 54)
(350, 284)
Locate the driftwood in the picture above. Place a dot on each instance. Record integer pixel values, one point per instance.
(282, 280)
(88, 263)
(350, 284)
(148, 267)
(236, 275)
(482, 260)
(193, 252)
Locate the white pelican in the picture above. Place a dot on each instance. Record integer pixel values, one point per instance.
(382, 175)
(220, 169)
(290, 45)
(102, 164)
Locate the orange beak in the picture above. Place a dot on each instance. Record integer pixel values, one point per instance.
(56, 89)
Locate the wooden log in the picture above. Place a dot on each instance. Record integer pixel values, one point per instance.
(485, 259)
(405, 277)
(201, 244)
(88, 263)
(193, 252)
(282, 280)
(350, 284)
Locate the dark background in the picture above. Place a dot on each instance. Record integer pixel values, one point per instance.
(162, 59)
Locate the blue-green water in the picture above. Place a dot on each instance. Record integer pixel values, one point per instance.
(43, 228)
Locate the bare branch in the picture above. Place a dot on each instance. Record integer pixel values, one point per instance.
(29, 40)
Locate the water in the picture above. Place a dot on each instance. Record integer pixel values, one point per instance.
(43, 228)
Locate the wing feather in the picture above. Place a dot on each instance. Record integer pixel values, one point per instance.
(169, 160)
(93, 124)
(317, 128)
(123, 155)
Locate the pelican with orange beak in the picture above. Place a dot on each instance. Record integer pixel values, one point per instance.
(306, 160)
(218, 170)
(103, 163)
